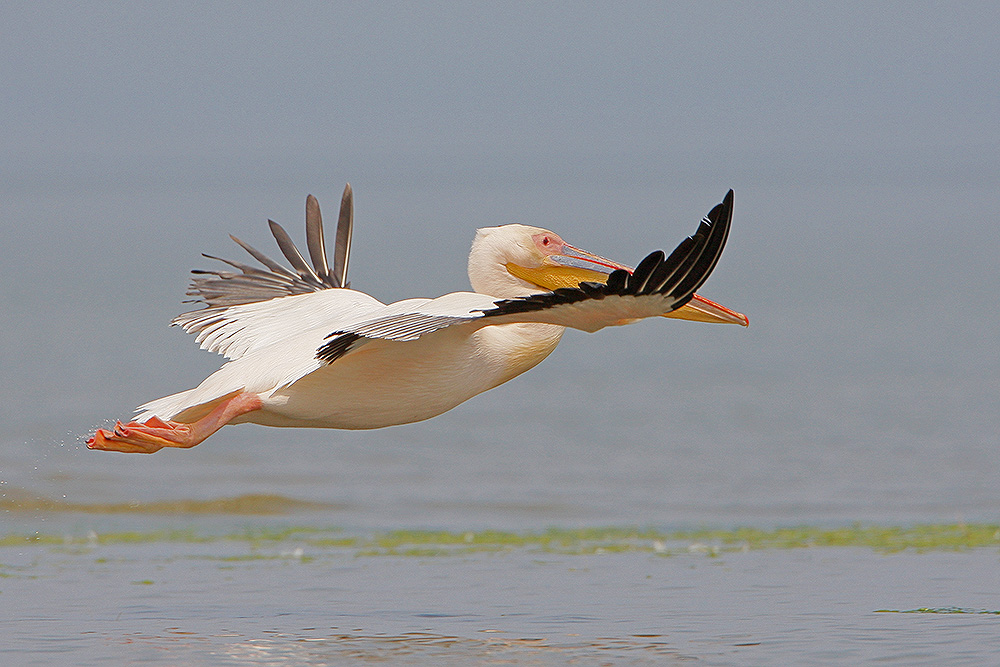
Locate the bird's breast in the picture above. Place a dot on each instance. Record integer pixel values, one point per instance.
(385, 383)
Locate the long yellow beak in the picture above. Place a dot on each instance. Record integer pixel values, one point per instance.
(554, 277)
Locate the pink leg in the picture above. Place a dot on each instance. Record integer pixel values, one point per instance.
(155, 434)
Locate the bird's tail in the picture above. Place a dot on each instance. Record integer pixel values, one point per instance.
(166, 408)
(186, 406)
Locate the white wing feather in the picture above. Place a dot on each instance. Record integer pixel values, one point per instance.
(234, 331)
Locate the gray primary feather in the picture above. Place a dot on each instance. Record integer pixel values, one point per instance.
(293, 255)
(221, 289)
(314, 237)
(342, 247)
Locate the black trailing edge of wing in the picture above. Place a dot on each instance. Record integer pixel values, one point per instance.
(221, 289)
(676, 276)
(337, 347)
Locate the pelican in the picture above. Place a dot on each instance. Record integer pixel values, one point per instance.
(305, 350)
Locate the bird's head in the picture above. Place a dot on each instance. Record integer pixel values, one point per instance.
(516, 260)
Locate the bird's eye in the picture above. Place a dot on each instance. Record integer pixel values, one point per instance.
(546, 241)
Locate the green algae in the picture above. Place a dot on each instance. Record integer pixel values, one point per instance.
(888, 539)
(940, 610)
(580, 541)
(921, 537)
(553, 540)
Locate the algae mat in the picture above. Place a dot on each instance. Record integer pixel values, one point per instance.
(599, 540)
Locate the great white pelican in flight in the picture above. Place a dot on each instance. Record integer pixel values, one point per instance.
(306, 350)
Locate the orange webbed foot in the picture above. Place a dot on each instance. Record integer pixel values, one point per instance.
(143, 438)
(154, 434)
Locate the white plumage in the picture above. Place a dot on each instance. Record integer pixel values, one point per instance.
(305, 351)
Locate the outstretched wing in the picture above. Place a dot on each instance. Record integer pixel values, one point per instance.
(659, 285)
(253, 284)
(242, 313)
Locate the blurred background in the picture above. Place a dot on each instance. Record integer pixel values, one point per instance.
(862, 140)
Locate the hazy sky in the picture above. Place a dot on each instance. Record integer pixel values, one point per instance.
(863, 141)
(498, 93)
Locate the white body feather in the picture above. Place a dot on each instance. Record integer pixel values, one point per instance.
(272, 346)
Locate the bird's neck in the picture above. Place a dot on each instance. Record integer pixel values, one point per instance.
(488, 274)
(515, 348)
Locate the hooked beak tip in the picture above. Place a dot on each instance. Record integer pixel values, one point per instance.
(700, 309)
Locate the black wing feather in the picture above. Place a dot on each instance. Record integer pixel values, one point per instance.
(676, 276)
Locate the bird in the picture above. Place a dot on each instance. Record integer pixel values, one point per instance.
(307, 350)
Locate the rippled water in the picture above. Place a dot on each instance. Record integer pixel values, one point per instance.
(293, 600)
(852, 407)
(133, 558)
